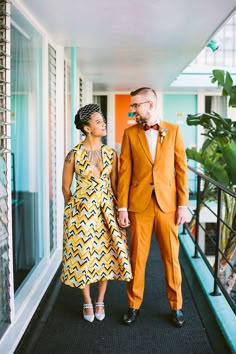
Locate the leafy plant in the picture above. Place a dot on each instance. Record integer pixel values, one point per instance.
(217, 158)
(224, 80)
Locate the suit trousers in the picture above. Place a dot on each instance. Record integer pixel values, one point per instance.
(142, 225)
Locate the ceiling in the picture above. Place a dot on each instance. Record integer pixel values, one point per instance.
(123, 45)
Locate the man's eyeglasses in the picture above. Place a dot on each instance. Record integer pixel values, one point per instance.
(136, 105)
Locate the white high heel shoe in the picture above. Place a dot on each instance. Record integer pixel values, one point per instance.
(89, 318)
(99, 316)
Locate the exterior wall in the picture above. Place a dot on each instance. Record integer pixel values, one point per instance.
(25, 300)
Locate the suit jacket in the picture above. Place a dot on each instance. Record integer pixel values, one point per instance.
(139, 175)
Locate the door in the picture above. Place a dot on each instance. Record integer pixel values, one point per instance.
(176, 107)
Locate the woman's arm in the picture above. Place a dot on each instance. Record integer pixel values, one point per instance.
(67, 175)
(114, 174)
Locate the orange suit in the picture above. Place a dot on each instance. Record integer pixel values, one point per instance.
(151, 191)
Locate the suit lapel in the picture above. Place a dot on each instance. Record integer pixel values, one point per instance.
(159, 144)
(144, 143)
(158, 150)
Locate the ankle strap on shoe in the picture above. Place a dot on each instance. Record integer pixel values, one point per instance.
(99, 304)
(87, 306)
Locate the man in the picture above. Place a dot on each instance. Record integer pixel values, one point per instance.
(152, 195)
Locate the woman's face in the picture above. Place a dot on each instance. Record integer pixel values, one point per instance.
(97, 125)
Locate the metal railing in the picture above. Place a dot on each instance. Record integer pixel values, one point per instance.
(208, 190)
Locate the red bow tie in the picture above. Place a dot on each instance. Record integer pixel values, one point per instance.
(155, 127)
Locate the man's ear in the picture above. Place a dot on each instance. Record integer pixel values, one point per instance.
(151, 104)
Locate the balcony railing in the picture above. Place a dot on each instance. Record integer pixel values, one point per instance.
(217, 203)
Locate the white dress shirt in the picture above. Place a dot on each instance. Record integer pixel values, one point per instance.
(152, 137)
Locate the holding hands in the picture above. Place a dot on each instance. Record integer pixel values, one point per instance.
(123, 219)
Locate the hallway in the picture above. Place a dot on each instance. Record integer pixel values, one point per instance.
(58, 326)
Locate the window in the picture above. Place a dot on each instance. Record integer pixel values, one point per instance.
(52, 145)
(27, 147)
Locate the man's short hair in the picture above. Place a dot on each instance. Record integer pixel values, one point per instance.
(143, 90)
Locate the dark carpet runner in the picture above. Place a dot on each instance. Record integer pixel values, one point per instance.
(59, 327)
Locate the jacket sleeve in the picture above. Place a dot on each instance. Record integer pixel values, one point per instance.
(181, 170)
(125, 172)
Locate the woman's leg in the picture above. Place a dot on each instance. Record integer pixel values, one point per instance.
(102, 287)
(87, 299)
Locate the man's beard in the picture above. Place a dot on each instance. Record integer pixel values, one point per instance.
(140, 119)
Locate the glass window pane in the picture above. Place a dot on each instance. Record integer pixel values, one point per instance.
(26, 133)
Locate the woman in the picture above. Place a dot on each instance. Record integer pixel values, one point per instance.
(94, 248)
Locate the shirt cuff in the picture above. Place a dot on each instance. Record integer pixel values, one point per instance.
(182, 206)
(122, 209)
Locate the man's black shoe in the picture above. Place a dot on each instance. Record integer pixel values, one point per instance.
(130, 316)
(177, 318)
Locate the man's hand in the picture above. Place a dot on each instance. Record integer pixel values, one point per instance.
(123, 219)
(181, 215)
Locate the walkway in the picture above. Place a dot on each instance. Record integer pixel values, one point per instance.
(59, 328)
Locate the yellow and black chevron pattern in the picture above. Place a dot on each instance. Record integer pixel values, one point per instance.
(94, 247)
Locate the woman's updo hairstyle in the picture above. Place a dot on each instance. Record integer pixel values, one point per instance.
(83, 115)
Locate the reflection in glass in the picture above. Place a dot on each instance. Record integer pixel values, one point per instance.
(26, 133)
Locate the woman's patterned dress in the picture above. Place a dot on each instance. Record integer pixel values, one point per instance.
(94, 247)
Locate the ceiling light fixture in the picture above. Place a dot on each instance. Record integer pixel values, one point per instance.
(214, 44)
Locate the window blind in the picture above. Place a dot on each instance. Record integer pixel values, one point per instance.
(4, 156)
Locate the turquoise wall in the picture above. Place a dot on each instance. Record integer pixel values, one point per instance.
(175, 110)
(20, 140)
